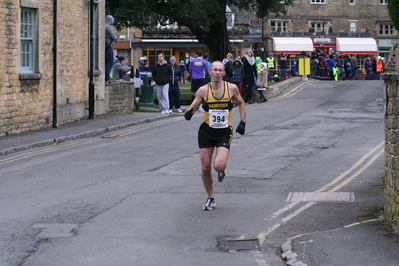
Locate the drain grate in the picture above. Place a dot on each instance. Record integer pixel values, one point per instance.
(238, 245)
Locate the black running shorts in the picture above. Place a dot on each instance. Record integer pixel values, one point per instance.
(211, 137)
(197, 83)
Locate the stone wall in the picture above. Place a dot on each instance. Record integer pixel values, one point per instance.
(391, 109)
(119, 97)
(26, 99)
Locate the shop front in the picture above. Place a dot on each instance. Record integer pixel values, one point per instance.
(182, 49)
(292, 47)
(361, 48)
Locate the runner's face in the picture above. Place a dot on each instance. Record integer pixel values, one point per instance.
(217, 72)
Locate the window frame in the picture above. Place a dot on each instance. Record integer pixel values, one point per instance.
(386, 27)
(28, 40)
(319, 22)
(282, 24)
(350, 25)
(317, 2)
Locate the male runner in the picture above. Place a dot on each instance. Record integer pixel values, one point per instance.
(216, 130)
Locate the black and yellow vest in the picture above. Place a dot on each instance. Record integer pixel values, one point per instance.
(218, 113)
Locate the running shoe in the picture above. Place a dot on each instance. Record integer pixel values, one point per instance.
(221, 175)
(209, 205)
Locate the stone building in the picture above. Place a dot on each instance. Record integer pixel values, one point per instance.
(45, 66)
(325, 22)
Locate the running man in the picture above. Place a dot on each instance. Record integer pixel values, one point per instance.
(216, 131)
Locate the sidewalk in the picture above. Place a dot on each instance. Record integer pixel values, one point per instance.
(77, 130)
(86, 128)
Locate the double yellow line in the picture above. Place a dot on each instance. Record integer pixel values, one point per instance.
(293, 91)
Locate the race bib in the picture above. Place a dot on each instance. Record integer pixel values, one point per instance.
(218, 118)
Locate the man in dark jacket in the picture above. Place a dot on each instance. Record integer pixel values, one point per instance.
(174, 90)
(162, 74)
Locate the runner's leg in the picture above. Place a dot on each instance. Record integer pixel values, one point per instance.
(206, 160)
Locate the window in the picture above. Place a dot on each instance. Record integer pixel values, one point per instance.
(317, 1)
(28, 47)
(352, 2)
(230, 16)
(280, 26)
(387, 29)
(352, 25)
(383, 2)
(318, 26)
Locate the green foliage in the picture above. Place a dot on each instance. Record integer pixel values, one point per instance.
(206, 19)
(393, 10)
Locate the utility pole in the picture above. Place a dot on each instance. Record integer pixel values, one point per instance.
(91, 63)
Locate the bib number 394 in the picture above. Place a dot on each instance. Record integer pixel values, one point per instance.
(218, 118)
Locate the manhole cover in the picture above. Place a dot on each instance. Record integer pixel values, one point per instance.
(237, 245)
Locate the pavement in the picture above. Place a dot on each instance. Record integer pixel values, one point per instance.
(367, 243)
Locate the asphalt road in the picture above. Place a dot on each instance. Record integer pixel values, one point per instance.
(135, 196)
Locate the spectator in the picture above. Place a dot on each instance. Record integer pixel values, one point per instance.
(141, 64)
(323, 66)
(338, 64)
(374, 67)
(314, 62)
(199, 72)
(183, 71)
(250, 74)
(120, 70)
(379, 67)
(354, 67)
(206, 58)
(238, 74)
(270, 66)
(348, 68)
(174, 90)
(368, 68)
(161, 74)
(283, 66)
(294, 68)
(228, 67)
(331, 65)
(110, 39)
(261, 82)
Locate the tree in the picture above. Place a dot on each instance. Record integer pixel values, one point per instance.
(393, 10)
(206, 19)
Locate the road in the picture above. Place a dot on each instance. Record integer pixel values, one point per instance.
(134, 197)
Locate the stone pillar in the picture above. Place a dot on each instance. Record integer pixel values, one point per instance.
(119, 97)
(391, 110)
